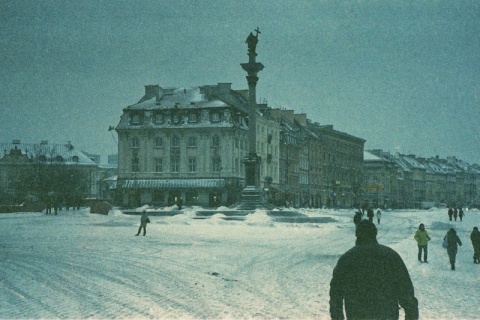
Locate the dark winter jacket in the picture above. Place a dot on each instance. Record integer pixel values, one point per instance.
(453, 242)
(372, 280)
(475, 237)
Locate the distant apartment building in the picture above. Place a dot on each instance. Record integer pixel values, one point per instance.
(421, 182)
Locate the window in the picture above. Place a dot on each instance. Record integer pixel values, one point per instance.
(75, 158)
(135, 165)
(158, 165)
(59, 158)
(136, 119)
(158, 118)
(192, 165)
(176, 118)
(175, 142)
(215, 141)
(215, 117)
(42, 158)
(175, 164)
(135, 142)
(216, 164)
(193, 117)
(192, 142)
(158, 142)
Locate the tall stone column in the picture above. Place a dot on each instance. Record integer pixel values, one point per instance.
(252, 196)
(252, 161)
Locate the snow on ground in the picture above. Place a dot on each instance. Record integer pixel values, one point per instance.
(82, 265)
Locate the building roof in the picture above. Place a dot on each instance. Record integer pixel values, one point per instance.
(218, 96)
(52, 152)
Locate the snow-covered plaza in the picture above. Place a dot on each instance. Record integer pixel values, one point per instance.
(82, 265)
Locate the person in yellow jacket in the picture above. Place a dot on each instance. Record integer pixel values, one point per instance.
(422, 240)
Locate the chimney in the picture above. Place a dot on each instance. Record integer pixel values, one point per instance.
(224, 87)
(151, 91)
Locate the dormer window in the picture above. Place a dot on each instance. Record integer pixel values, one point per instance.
(75, 158)
(193, 117)
(176, 118)
(42, 158)
(215, 117)
(136, 119)
(158, 118)
(59, 158)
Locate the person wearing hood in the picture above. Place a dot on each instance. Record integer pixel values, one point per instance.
(475, 237)
(422, 238)
(453, 241)
(371, 280)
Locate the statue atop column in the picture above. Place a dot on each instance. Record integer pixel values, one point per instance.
(252, 41)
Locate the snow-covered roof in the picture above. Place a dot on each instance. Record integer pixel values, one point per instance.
(195, 97)
(368, 156)
(52, 152)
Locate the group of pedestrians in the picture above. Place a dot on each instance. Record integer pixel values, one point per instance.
(357, 217)
(378, 293)
(451, 242)
(455, 213)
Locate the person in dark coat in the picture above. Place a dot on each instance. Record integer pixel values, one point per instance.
(450, 214)
(475, 237)
(461, 214)
(357, 217)
(455, 214)
(453, 242)
(143, 223)
(370, 215)
(372, 280)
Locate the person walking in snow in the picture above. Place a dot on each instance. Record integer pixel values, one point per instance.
(370, 215)
(379, 216)
(455, 214)
(453, 242)
(143, 223)
(461, 214)
(450, 214)
(475, 237)
(422, 238)
(357, 218)
(377, 292)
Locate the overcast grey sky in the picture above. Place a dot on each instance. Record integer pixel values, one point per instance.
(399, 74)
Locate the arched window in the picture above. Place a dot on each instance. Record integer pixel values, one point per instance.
(175, 142)
(158, 142)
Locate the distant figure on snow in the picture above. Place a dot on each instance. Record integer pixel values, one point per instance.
(372, 280)
(475, 237)
(453, 242)
(379, 216)
(179, 203)
(422, 240)
(357, 218)
(143, 223)
(450, 214)
(461, 214)
(370, 215)
(455, 214)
